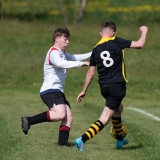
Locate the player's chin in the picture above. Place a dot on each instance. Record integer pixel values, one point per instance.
(66, 47)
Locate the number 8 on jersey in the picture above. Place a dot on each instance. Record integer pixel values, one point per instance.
(105, 55)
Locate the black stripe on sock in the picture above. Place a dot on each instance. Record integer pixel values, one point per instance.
(90, 133)
(95, 131)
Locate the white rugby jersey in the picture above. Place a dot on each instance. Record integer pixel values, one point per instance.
(55, 65)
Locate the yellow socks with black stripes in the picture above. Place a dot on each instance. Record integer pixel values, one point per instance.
(117, 125)
(93, 130)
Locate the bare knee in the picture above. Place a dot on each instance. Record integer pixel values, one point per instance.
(70, 118)
(57, 116)
(62, 115)
(67, 121)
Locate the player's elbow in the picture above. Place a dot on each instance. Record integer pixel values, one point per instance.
(141, 45)
(91, 73)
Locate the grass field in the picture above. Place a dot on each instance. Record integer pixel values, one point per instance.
(23, 49)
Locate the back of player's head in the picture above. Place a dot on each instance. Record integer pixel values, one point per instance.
(109, 24)
(61, 32)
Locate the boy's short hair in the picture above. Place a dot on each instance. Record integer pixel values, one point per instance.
(61, 32)
(109, 24)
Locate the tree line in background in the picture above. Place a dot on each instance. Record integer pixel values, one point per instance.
(77, 11)
(73, 9)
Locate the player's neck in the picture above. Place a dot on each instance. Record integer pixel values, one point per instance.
(107, 36)
(57, 46)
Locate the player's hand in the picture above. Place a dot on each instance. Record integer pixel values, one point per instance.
(144, 29)
(85, 63)
(80, 96)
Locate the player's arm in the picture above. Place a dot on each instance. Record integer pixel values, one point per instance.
(140, 43)
(89, 77)
(57, 61)
(78, 57)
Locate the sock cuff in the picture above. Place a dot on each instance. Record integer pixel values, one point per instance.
(63, 127)
(101, 125)
(48, 116)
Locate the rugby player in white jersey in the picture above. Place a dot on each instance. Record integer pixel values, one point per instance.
(52, 90)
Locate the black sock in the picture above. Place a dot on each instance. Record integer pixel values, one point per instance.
(63, 135)
(39, 118)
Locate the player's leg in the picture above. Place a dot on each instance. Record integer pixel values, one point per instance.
(64, 128)
(113, 96)
(95, 128)
(116, 95)
(117, 122)
(56, 112)
(117, 125)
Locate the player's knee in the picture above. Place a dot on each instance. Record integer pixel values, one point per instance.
(62, 115)
(70, 118)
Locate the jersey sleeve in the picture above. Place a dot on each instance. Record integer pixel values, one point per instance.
(78, 57)
(123, 43)
(57, 61)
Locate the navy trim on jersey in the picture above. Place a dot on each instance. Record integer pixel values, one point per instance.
(50, 91)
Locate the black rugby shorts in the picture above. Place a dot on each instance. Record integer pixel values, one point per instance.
(55, 97)
(114, 95)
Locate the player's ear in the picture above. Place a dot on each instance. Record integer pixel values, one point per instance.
(57, 38)
(113, 34)
(100, 33)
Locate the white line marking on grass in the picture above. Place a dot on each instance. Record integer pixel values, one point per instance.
(144, 112)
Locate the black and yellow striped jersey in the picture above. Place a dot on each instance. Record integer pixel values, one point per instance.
(108, 56)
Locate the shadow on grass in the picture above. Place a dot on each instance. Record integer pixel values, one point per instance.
(72, 144)
(125, 147)
(55, 144)
(133, 147)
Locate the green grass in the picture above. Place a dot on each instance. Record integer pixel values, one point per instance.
(23, 50)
